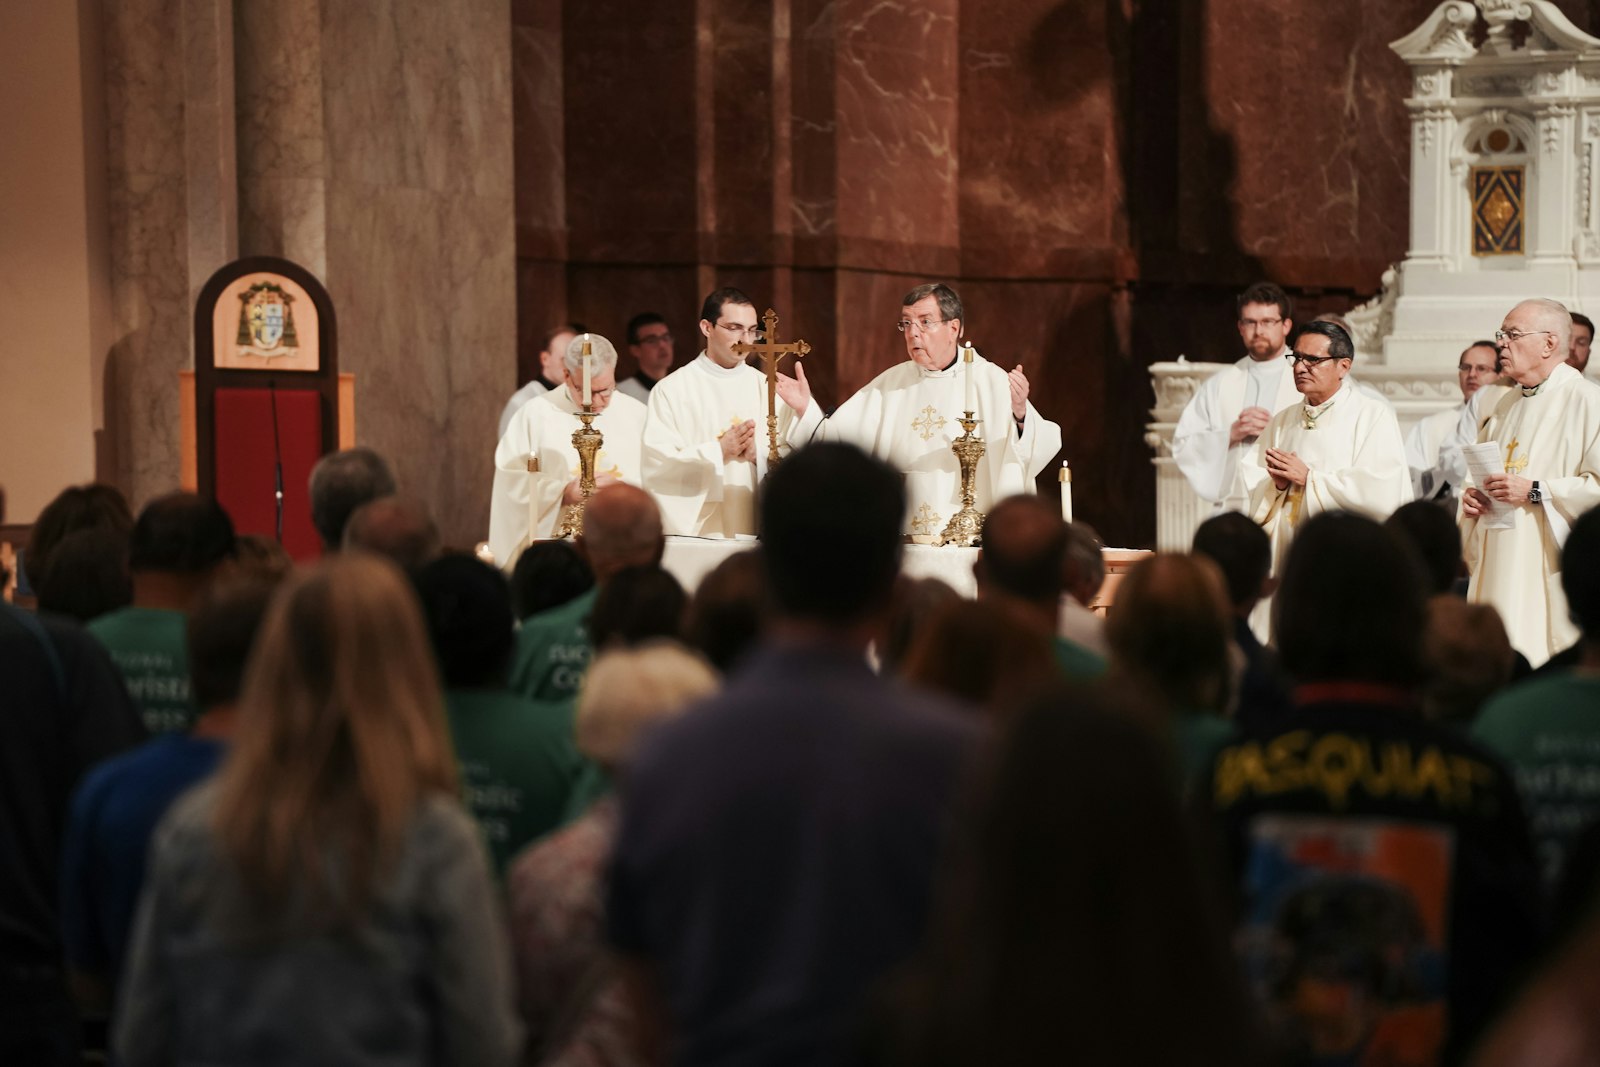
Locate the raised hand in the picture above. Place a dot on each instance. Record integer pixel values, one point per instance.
(1019, 392)
(796, 391)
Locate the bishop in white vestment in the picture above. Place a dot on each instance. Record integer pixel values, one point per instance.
(1339, 449)
(536, 466)
(1546, 432)
(907, 415)
(705, 434)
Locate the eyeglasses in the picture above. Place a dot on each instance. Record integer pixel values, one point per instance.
(1295, 359)
(655, 339)
(752, 332)
(1259, 324)
(923, 324)
(1512, 336)
(1467, 369)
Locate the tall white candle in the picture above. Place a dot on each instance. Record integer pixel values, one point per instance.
(588, 397)
(1066, 492)
(966, 372)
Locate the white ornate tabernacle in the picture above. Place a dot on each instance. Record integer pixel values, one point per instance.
(1525, 104)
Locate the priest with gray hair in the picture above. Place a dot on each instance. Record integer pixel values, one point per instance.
(536, 466)
(1546, 436)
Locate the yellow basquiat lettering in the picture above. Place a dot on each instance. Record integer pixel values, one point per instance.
(1337, 765)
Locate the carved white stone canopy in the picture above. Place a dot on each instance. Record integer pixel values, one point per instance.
(1446, 34)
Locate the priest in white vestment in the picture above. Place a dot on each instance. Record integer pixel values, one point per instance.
(1228, 411)
(1546, 432)
(705, 435)
(1339, 449)
(907, 415)
(536, 467)
(1433, 447)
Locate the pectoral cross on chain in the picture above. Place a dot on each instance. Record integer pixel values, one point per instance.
(770, 352)
(1513, 465)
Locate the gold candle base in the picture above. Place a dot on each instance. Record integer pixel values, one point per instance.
(965, 527)
(587, 440)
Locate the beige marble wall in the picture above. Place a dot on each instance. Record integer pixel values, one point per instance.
(370, 143)
(278, 59)
(54, 285)
(146, 170)
(417, 108)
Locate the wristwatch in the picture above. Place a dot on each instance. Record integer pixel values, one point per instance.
(1534, 496)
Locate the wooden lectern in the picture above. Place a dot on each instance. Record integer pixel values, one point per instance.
(265, 400)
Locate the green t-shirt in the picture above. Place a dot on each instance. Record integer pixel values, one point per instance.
(1197, 736)
(518, 765)
(553, 651)
(150, 648)
(1548, 730)
(1077, 662)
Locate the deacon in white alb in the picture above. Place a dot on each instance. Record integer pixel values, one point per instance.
(906, 416)
(1433, 447)
(536, 467)
(1229, 410)
(1547, 434)
(705, 438)
(1339, 449)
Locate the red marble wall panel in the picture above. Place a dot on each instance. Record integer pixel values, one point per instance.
(896, 145)
(1040, 176)
(631, 131)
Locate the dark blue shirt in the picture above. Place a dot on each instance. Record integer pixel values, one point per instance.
(114, 813)
(777, 852)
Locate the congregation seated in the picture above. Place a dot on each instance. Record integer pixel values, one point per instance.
(374, 938)
(1083, 573)
(88, 575)
(517, 762)
(913, 604)
(568, 989)
(78, 507)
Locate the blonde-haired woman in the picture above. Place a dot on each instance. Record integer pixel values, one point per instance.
(569, 995)
(326, 899)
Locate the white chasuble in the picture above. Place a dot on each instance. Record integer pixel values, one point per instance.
(700, 494)
(1552, 437)
(1352, 448)
(907, 415)
(1200, 442)
(526, 504)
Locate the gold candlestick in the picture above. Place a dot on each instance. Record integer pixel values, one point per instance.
(587, 440)
(965, 527)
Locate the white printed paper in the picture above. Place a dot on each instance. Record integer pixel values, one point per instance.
(1483, 459)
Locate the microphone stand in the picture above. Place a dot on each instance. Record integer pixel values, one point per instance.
(277, 462)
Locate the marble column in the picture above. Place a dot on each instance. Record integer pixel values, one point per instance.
(419, 237)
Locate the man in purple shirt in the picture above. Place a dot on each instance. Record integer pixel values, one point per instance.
(778, 843)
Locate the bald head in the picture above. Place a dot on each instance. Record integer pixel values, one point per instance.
(1536, 337)
(396, 527)
(1024, 542)
(621, 528)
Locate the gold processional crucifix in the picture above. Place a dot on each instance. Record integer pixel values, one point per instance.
(770, 352)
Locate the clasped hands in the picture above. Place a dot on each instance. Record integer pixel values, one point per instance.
(1248, 426)
(1286, 468)
(1506, 488)
(739, 442)
(796, 391)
